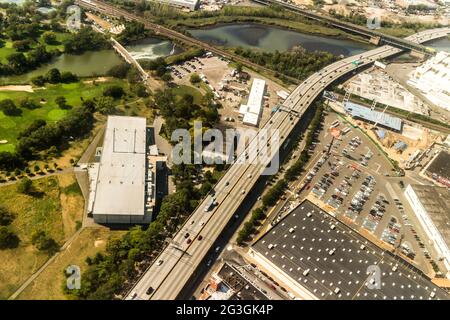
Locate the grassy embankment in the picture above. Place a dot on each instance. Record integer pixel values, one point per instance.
(55, 207)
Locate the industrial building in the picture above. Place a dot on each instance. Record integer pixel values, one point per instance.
(431, 205)
(315, 256)
(379, 118)
(187, 4)
(124, 188)
(251, 111)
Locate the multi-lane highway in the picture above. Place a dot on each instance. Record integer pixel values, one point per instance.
(181, 258)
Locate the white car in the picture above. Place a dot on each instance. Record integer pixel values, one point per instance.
(159, 262)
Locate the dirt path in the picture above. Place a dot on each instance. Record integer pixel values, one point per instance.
(26, 88)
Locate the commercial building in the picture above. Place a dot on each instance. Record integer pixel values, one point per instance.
(315, 256)
(380, 118)
(433, 79)
(187, 4)
(439, 168)
(431, 205)
(251, 111)
(124, 188)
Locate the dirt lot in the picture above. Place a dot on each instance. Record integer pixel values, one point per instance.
(231, 90)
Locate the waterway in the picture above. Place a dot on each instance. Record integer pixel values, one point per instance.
(270, 38)
(97, 63)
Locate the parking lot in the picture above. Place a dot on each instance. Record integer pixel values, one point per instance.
(353, 182)
(230, 88)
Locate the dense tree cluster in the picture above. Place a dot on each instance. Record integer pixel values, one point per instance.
(134, 31)
(86, 39)
(54, 76)
(297, 63)
(43, 242)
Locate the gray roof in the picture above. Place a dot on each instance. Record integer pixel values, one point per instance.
(383, 119)
(309, 244)
(436, 202)
(441, 165)
(121, 178)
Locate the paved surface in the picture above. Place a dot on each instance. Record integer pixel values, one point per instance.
(180, 259)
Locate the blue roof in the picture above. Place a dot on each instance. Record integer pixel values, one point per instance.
(400, 145)
(383, 119)
(381, 133)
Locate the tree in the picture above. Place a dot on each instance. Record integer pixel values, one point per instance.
(6, 217)
(239, 67)
(53, 76)
(61, 102)
(106, 105)
(25, 186)
(49, 37)
(8, 239)
(43, 242)
(195, 78)
(68, 77)
(119, 71)
(166, 77)
(114, 91)
(9, 108)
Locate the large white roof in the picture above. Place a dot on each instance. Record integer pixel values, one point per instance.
(121, 177)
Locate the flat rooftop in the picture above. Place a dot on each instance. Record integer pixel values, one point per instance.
(383, 119)
(441, 165)
(121, 177)
(314, 235)
(242, 288)
(436, 201)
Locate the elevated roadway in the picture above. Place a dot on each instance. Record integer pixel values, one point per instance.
(179, 260)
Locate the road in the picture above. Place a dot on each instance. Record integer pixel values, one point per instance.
(180, 259)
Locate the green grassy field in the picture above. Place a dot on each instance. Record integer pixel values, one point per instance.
(182, 89)
(51, 211)
(10, 127)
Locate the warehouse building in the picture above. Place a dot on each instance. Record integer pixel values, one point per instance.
(380, 118)
(124, 189)
(251, 111)
(431, 205)
(315, 256)
(186, 4)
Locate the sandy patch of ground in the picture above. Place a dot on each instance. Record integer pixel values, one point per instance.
(98, 79)
(26, 88)
(72, 204)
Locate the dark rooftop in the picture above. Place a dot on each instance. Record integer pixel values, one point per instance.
(244, 290)
(440, 165)
(337, 259)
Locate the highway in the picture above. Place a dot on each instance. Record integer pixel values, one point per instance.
(179, 260)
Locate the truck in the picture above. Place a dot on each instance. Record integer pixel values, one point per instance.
(210, 204)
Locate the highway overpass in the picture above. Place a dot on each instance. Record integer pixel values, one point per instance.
(406, 43)
(180, 259)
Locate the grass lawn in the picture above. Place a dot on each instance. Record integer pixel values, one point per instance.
(10, 127)
(49, 284)
(55, 210)
(183, 89)
(6, 50)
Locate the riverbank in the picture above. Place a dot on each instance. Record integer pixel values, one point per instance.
(297, 26)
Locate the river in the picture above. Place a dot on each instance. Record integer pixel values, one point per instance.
(270, 38)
